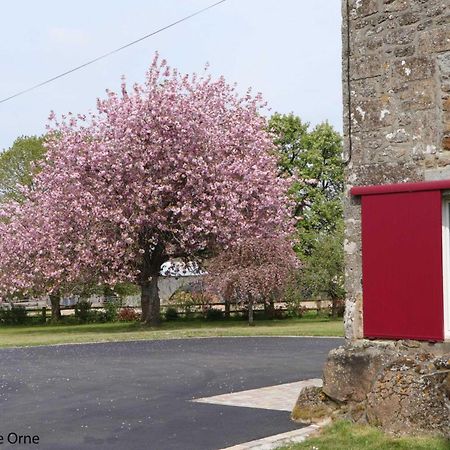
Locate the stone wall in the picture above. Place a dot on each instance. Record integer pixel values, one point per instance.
(400, 386)
(396, 78)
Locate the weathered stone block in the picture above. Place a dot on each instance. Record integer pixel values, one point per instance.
(372, 42)
(353, 315)
(369, 23)
(372, 113)
(400, 36)
(424, 126)
(434, 174)
(398, 136)
(417, 95)
(349, 373)
(395, 5)
(411, 395)
(412, 68)
(362, 8)
(404, 51)
(368, 146)
(446, 105)
(444, 73)
(434, 40)
(446, 143)
(367, 66)
(443, 20)
(437, 9)
(408, 18)
(425, 25)
(446, 122)
(388, 172)
(365, 88)
(313, 406)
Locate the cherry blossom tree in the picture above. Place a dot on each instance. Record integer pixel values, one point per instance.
(174, 168)
(37, 253)
(253, 270)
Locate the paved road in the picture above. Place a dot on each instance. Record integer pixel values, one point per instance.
(135, 395)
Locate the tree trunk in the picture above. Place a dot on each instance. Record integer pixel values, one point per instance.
(44, 314)
(269, 309)
(56, 308)
(145, 302)
(151, 305)
(152, 259)
(334, 307)
(227, 309)
(250, 313)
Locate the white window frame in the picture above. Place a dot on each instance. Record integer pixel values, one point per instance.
(446, 261)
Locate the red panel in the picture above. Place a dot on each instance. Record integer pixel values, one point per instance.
(401, 187)
(402, 266)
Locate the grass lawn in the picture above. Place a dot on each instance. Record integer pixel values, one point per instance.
(18, 336)
(346, 436)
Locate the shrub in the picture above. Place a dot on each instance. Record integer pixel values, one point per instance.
(296, 309)
(293, 298)
(111, 309)
(334, 309)
(97, 317)
(202, 299)
(17, 315)
(214, 314)
(83, 310)
(171, 314)
(69, 320)
(270, 312)
(182, 300)
(276, 313)
(128, 314)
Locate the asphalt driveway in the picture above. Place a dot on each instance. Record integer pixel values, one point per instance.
(136, 395)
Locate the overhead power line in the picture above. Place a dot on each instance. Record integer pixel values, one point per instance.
(105, 55)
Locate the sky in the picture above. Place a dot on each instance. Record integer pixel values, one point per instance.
(290, 50)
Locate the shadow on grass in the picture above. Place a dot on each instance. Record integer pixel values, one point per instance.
(72, 328)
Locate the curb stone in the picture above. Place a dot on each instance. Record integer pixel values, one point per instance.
(278, 440)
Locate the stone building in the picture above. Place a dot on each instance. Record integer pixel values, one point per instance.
(396, 79)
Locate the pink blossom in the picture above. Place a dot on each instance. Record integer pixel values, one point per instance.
(172, 168)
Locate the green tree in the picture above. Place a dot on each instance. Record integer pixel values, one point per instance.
(323, 273)
(314, 160)
(18, 165)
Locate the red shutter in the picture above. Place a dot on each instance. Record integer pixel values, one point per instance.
(402, 265)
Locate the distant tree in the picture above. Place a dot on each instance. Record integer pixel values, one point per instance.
(314, 159)
(18, 165)
(253, 271)
(322, 275)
